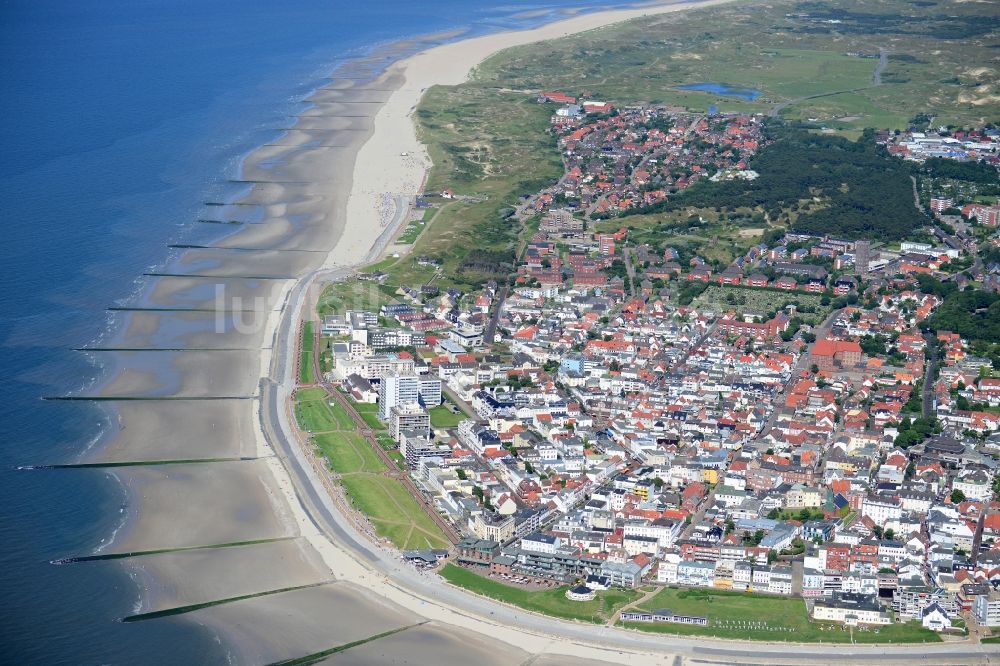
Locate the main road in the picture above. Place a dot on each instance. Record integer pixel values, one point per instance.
(275, 420)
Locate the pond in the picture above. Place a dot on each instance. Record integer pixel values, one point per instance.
(747, 94)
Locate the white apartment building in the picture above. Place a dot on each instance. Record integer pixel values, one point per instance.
(397, 389)
(881, 509)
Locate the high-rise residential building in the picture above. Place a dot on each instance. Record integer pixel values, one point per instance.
(430, 391)
(397, 390)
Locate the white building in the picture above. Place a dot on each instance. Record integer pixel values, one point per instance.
(666, 574)
(780, 581)
(665, 531)
(430, 391)
(397, 389)
(850, 609)
(881, 509)
(541, 543)
(986, 609)
(935, 618)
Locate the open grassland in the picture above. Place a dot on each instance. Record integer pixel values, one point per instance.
(737, 615)
(369, 412)
(940, 60)
(394, 513)
(414, 227)
(548, 602)
(353, 294)
(348, 453)
(715, 236)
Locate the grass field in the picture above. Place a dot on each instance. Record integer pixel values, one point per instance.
(369, 412)
(393, 511)
(718, 239)
(352, 294)
(443, 417)
(348, 453)
(315, 414)
(785, 617)
(306, 370)
(548, 602)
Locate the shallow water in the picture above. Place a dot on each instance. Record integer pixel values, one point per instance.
(746, 94)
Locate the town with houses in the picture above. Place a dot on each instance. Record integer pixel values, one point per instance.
(620, 429)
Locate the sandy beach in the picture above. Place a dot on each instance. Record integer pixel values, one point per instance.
(382, 166)
(318, 202)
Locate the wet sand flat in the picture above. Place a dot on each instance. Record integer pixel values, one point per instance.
(299, 228)
(233, 263)
(150, 430)
(293, 624)
(358, 94)
(183, 374)
(201, 504)
(209, 293)
(280, 162)
(183, 330)
(190, 577)
(429, 644)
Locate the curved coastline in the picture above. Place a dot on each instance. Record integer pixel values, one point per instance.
(328, 198)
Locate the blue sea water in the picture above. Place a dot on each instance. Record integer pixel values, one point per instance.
(119, 118)
(746, 94)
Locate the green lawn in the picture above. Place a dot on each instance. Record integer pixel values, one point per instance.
(395, 514)
(785, 616)
(443, 417)
(314, 412)
(349, 452)
(393, 511)
(547, 602)
(369, 412)
(306, 373)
